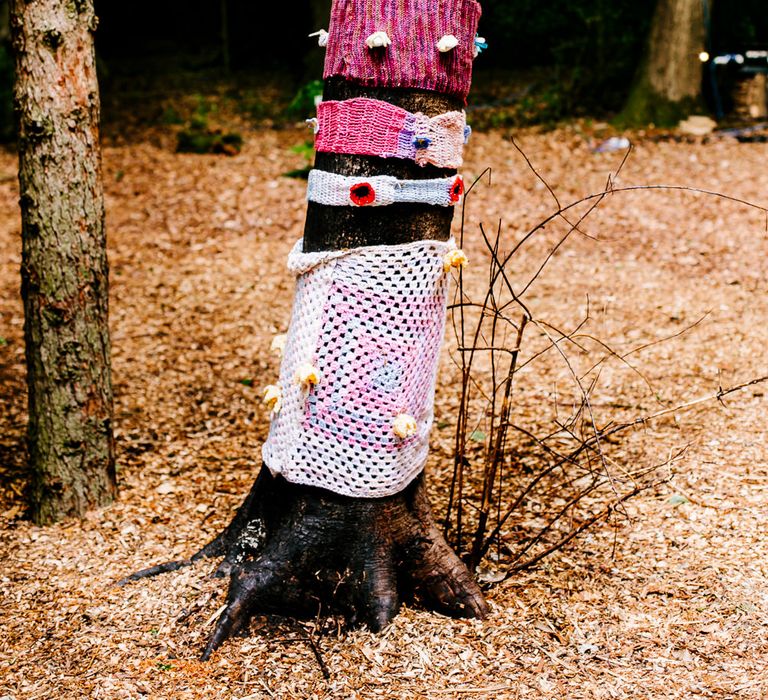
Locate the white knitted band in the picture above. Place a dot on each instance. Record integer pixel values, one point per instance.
(379, 190)
(353, 407)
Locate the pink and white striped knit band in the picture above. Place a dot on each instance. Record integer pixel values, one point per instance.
(380, 190)
(367, 127)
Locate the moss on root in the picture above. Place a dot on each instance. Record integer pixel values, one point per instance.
(644, 107)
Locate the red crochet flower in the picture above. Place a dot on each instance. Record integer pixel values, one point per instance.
(457, 189)
(362, 193)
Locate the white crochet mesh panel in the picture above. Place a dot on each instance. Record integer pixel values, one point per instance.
(370, 321)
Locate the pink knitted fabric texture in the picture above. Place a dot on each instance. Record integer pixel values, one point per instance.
(412, 60)
(360, 126)
(375, 128)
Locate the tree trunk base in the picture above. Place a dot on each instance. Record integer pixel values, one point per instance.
(293, 550)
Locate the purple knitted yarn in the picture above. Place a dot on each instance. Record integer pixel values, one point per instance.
(413, 59)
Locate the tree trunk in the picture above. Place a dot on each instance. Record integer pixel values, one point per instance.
(295, 549)
(64, 264)
(668, 84)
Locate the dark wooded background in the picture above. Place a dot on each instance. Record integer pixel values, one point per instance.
(559, 58)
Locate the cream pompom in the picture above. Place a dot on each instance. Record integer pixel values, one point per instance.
(447, 43)
(456, 258)
(307, 375)
(378, 40)
(278, 344)
(404, 426)
(322, 37)
(273, 397)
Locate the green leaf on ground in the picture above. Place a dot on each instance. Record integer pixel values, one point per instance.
(677, 500)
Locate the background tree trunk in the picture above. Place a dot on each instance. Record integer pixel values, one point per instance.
(64, 265)
(668, 84)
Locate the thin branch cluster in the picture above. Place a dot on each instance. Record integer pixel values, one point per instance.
(525, 483)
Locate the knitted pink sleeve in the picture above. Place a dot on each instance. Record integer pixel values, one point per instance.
(412, 60)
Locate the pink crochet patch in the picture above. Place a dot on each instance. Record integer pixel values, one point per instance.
(387, 372)
(412, 60)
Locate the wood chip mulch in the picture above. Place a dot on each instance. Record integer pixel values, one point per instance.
(669, 602)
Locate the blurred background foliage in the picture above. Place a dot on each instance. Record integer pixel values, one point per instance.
(547, 60)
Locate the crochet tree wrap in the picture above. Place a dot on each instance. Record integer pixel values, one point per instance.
(412, 60)
(367, 127)
(371, 321)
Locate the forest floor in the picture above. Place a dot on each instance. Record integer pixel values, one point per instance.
(668, 601)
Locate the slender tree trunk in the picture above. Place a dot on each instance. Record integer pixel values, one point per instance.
(668, 84)
(64, 264)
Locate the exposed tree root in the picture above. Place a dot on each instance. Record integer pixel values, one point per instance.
(290, 549)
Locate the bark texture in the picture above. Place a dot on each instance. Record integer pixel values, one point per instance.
(668, 85)
(64, 268)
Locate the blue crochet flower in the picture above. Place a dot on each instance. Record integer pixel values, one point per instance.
(480, 44)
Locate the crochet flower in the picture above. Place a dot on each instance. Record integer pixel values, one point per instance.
(362, 193)
(456, 258)
(273, 397)
(447, 43)
(404, 426)
(307, 375)
(480, 45)
(457, 189)
(378, 40)
(278, 344)
(422, 142)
